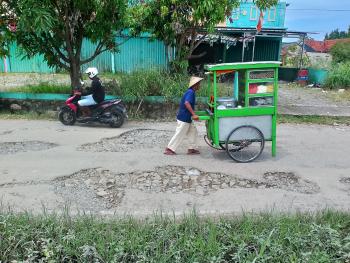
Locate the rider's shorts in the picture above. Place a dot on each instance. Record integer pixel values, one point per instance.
(87, 101)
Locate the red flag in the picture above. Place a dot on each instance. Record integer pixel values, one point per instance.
(259, 25)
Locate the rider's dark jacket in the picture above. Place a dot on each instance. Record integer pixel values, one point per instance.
(97, 90)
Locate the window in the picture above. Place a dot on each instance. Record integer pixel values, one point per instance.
(253, 13)
(235, 14)
(272, 14)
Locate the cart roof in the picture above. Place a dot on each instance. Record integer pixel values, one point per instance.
(244, 65)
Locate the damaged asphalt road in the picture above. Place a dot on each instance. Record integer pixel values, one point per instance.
(47, 166)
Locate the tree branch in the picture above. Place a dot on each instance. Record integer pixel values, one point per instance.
(197, 56)
(124, 41)
(97, 52)
(49, 51)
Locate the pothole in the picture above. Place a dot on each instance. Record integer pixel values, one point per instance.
(130, 140)
(25, 146)
(6, 132)
(290, 182)
(106, 188)
(345, 180)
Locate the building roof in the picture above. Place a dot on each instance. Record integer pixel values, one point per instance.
(324, 46)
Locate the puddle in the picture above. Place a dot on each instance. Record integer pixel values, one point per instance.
(26, 146)
(106, 188)
(130, 140)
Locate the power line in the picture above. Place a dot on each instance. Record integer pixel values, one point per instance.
(315, 9)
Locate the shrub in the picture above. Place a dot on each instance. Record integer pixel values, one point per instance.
(341, 52)
(137, 84)
(339, 76)
(149, 83)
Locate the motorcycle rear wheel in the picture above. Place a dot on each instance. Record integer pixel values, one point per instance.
(117, 119)
(67, 116)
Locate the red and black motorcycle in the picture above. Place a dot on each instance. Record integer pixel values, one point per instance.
(112, 112)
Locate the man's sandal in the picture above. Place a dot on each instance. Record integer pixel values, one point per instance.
(193, 151)
(169, 152)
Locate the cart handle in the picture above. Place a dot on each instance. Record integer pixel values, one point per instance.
(209, 112)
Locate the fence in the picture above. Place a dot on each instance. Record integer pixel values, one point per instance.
(136, 53)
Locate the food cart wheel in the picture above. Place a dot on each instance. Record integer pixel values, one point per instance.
(245, 143)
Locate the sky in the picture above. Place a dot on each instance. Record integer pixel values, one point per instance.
(320, 16)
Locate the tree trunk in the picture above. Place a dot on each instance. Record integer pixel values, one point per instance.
(75, 74)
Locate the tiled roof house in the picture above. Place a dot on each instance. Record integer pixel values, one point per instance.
(323, 46)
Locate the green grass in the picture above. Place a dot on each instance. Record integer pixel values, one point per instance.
(43, 88)
(311, 119)
(323, 237)
(339, 76)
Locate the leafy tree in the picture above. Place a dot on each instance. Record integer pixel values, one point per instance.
(184, 24)
(341, 52)
(336, 34)
(57, 28)
(7, 26)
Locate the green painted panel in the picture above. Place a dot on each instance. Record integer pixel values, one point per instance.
(266, 49)
(244, 65)
(52, 96)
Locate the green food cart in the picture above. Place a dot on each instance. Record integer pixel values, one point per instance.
(241, 108)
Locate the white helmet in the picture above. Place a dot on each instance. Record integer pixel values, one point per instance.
(92, 72)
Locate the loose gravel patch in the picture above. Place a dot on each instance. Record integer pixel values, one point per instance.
(6, 132)
(97, 188)
(290, 182)
(130, 140)
(346, 181)
(25, 146)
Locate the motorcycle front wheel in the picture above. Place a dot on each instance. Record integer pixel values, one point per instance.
(67, 116)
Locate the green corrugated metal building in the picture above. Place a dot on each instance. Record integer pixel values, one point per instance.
(136, 53)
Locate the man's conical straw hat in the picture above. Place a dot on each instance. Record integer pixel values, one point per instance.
(194, 80)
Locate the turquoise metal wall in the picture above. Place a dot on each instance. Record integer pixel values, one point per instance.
(102, 62)
(136, 53)
(247, 16)
(16, 63)
(140, 53)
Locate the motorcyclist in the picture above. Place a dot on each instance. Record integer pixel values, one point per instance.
(94, 95)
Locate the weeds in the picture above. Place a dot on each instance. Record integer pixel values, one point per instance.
(137, 84)
(31, 115)
(140, 84)
(339, 76)
(323, 237)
